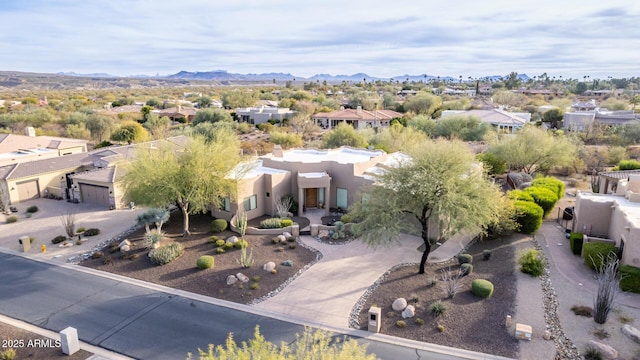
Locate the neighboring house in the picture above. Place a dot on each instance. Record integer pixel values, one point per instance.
(19, 148)
(590, 105)
(125, 109)
(262, 114)
(505, 121)
(451, 91)
(358, 118)
(179, 114)
(90, 177)
(613, 217)
(584, 120)
(316, 179)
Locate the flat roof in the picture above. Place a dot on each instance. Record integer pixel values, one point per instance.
(631, 209)
(255, 169)
(343, 155)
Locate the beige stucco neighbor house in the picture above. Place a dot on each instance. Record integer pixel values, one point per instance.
(358, 118)
(325, 179)
(613, 217)
(504, 121)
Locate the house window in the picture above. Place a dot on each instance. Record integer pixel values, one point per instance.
(226, 204)
(321, 195)
(341, 198)
(250, 203)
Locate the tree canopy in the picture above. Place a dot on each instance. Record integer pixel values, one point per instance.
(467, 128)
(441, 191)
(423, 103)
(130, 132)
(344, 135)
(211, 116)
(193, 178)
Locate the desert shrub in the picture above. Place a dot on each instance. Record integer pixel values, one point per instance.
(466, 269)
(591, 353)
(286, 222)
(401, 324)
(532, 262)
(256, 278)
(228, 245)
(595, 252)
(241, 244)
(255, 286)
(482, 288)
(8, 354)
(80, 230)
(465, 258)
(486, 255)
(58, 239)
(551, 183)
(492, 163)
(220, 242)
(166, 254)
(628, 165)
(97, 255)
(629, 278)
(32, 209)
(153, 238)
(575, 242)
(582, 310)
(440, 328)
(218, 225)
(91, 232)
(419, 322)
(544, 197)
(346, 218)
(528, 216)
(220, 250)
(205, 262)
(519, 195)
(272, 223)
(291, 239)
(437, 308)
(11, 219)
(413, 298)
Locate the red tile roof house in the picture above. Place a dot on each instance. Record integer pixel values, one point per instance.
(179, 114)
(358, 118)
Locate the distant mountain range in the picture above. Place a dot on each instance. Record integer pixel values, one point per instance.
(222, 75)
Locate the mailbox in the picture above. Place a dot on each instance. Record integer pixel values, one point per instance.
(375, 319)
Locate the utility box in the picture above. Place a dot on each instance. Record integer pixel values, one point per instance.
(69, 341)
(25, 241)
(314, 230)
(375, 319)
(523, 332)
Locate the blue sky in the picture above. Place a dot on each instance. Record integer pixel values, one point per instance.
(306, 37)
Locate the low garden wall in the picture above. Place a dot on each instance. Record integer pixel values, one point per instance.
(293, 229)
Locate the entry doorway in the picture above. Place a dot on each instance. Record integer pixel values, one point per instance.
(311, 197)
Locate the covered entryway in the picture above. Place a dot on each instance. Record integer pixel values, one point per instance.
(311, 197)
(28, 190)
(94, 194)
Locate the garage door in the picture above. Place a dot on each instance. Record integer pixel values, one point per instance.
(28, 190)
(94, 194)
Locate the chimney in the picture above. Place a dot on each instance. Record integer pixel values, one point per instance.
(30, 131)
(359, 110)
(277, 151)
(179, 108)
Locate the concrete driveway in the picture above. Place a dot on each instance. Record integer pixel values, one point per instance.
(46, 224)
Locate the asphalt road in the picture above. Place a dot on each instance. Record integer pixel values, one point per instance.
(136, 321)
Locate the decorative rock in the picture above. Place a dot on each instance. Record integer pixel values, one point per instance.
(631, 332)
(269, 266)
(608, 353)
(125, 248)
(399, 304)
(286, 234)
(287, 263)
(507, 323)
(124, 242)
(232, 239)
(282, 238)
(408, 312)
(242, 277)
(547, 335)
(231, 279)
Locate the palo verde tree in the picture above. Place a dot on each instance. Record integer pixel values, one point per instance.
(192, 178)
(442, 190)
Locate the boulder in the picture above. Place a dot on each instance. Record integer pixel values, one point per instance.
(408, 312)
(231, 279)
(269, 266)
(399, 304)
(282, 238)
(232, 239)
(242, 277)
(286, 234)
(631, 332)
(125, 248)
(608, 353)
(123, 243)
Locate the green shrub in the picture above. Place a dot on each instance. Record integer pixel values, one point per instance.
(419, 322)
(218, 225)
(629, 165)
(91, 232)
(32, 209)
(58, 239)
(205, 262)
(272, 223)
(629, 278)
(8, 354)
(228, 245)
(12, 219)
(492, 163)
(466, 269)
(575, 242)
(528, 216)
(80, 230)
(220, 250)
(595, 253)
(166, 254)
(544, 197)
(582, 310)
(486, 254)
(401, 324)
(465, 258)
(519, 195)
(220, 242)
(551, 183)
(437, 308)
(286, 222)
(241, 244)
(346, 219)
(482, 288)
(532, 262)
(255, 286)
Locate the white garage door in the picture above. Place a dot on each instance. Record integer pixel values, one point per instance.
(94, 194)
(28, 190)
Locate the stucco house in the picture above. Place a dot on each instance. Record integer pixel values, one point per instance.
(358, 118)
(324, 179)
(262, 114)
(612, 217)
(22, 148)
(504, 121)
(179, 113)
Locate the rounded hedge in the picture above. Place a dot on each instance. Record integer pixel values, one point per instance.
(286, 222)
(58, 239)
(91, 232)
(220, 242)
(551, 183)
(595, 253)
(544, 197)
(466, 269)
(528, 216)
(519, 195)
(482, 288)
(205, 262)
(465, 259)
(629, 278)
(218, 225)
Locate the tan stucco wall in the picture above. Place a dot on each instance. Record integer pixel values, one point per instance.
(52, 179)
(592, 217)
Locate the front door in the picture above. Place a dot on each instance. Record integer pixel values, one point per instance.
(311, 198)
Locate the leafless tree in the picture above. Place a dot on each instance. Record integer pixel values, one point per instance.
(608, 289)
(69, 223)
(282, 206)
